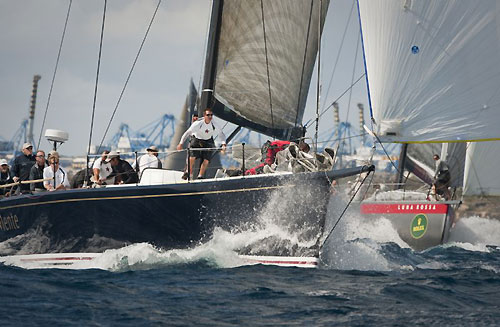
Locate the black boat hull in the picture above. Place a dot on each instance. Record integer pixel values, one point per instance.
(168, 216)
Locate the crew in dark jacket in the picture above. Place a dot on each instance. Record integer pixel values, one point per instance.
(22, 165)
(36, 172)
(122, 170)
(5, 177)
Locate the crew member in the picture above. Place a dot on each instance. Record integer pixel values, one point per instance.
(202, 132)
(61, 177)
(36, 172)
(149, 160)
(269, 151)
(102, 170)
(122, 170)
(22, 165)
(442, 178)
(5, 177)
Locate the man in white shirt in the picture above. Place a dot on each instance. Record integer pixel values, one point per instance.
(202, 132)
(101, 170)
(149, 160)
(61, 180)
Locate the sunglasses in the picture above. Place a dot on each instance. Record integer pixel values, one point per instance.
(54, 162)
(209, 115)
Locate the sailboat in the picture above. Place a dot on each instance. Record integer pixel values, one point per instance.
(259, 62)
(433, 76)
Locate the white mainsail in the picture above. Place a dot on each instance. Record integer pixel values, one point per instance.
(481, 175)
(433, 68)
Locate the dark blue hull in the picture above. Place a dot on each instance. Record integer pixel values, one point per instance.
(167, 216)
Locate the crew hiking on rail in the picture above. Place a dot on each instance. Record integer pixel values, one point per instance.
(202, 137)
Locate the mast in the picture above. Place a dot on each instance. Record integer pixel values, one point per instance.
(401, 166)
(207, 88)
(318, 85)
(31, 121)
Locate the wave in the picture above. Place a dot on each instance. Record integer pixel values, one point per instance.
(357, 243)
(373, 244)
(475, 234)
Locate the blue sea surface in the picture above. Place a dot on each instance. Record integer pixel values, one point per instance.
(363, 280)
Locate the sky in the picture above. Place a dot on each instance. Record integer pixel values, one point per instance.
(173, 54)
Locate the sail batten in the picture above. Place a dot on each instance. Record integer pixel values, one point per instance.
(265, 59)
(434, 69)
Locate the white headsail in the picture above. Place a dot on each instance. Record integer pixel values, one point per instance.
(481, 174)
(433, 68)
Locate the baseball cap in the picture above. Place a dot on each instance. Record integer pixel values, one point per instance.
(152, 148)
(27, 145)
(112, 154)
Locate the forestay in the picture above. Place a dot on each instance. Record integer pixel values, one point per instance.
(433, 68)
(266, 55)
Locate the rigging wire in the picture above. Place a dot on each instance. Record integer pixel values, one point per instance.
(338, 98)
(383, 148)
(338, 53)
(128, 77)
(55, 72)
(350, 91)
(304, 63)
(344, 210)
(267, 63)
(95, 89)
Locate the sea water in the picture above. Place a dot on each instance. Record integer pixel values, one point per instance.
(367, 276)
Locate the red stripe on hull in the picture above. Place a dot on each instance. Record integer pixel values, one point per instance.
(401, 208)
(275, 262)
(58, 259)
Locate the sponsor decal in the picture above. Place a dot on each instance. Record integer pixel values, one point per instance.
(404, 208)
(9, 222)
(418, 226)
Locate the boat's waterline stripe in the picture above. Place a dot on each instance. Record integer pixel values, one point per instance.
(146, 196)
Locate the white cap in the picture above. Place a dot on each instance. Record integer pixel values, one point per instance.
(27, 145)
(3, 162)
(112, 154)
